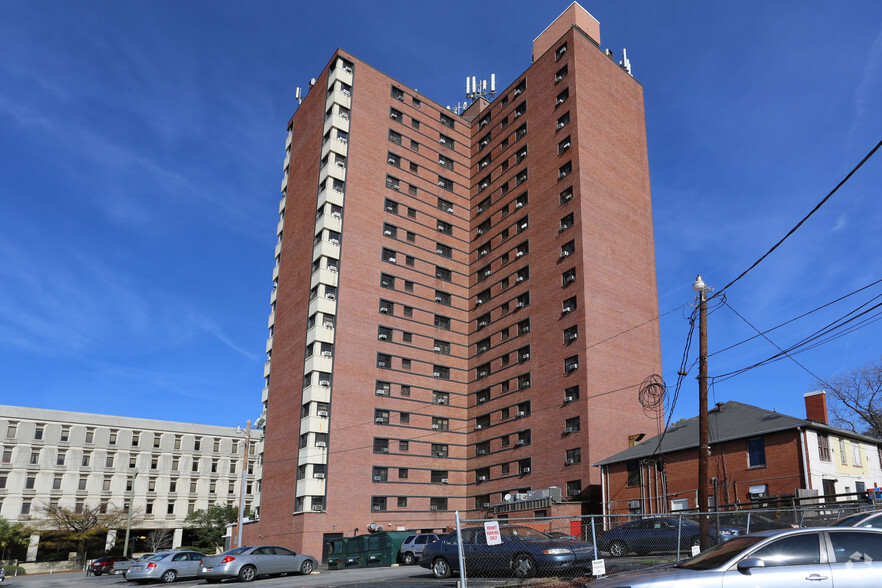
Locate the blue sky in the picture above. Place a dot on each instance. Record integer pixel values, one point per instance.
(142, 147)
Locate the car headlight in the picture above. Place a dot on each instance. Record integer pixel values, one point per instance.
(557, 551)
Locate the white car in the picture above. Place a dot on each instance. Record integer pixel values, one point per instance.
(250, 561)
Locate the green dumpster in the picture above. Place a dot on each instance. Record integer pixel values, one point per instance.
(337, 554)
(382, 548)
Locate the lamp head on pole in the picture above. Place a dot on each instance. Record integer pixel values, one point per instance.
(699, 285)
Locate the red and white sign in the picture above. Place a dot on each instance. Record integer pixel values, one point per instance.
(491, 530)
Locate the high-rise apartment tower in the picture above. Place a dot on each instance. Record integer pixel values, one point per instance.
(456, 295)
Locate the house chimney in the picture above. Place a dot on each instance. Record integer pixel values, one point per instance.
(816, 406)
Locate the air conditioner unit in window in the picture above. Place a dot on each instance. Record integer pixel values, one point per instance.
(324, 383)
(560, 101)
(341, 164)
(484, 251)
(381, 392)
(560, 125)
(525, 385)
(390, 209)
(441, 184)
(520, 305)
(566, 145)
(436, 374)
(484, 185)
(347, 69)
(573, 337)
(444, 480)
(571, 279)
(521, 413)
(517, 92)
(520, 279)
(437, 299)
(523, 226)
(482, 451)
(387, 232)
(558, 78)
(482, 324)
(317, 508)
(442, 401)
(320, 476)
(570, 461)
(482, 478)
(568, 398)
(322, 413)
(442, 140)
(332, 268)
(393, 116)
(321, 444)
(480, 231)
(392, 260)
(526, 470)
(436, 427)
(385, 450)
(519, 254)
(519, 205)
(563, 174)
(479, 426)
(433, 507)
(334, 241)
(375, 508)
(331, 296)
(573, 367)
(391, 160)
(480, 301)
(379, 420)
(326, 354)
(383, 309)
(484, 164)
(562, 50)
(381, 364)
(568, 430)
(564, 253)
(567, 309)
(484, 143)
(525, 329)
(484, 123)
(520, 442)
(517, 114)
(486, 505)
(378, 478)
(525, 357)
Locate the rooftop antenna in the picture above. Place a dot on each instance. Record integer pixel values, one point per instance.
(299, 95)
(475, 90)
(625, 63)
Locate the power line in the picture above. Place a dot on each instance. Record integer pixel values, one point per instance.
(805, 218)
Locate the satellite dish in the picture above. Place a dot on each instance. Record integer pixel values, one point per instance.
(507, 497)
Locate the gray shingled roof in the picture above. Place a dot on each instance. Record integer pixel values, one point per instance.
(733, 420)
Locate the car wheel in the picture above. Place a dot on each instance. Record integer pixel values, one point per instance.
(618, 549)
(96, 573)
(247, 574)
(408, 559)
(168, 576)
(307, 567)
(523, 566)
(440, 568)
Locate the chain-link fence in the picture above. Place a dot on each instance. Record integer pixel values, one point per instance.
(571, 551)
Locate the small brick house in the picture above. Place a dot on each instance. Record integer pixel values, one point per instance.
(755, 454)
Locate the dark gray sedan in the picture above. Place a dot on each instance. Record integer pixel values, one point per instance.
(250, 561)
(823, 557)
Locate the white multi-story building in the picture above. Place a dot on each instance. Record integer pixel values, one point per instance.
(80, 460)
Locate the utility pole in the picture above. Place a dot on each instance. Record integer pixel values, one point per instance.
(244, 475)
(129, 517)
(703, 448)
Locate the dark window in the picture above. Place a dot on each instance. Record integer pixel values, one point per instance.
(395, 137)
(633, 467)
(795, 550)
(446, 121)
(560, 52)
(561, 74)
(397, 93)
(756, 452)
(563, 146)
(562, 97)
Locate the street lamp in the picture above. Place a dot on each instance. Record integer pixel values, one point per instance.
(129, 517)
(703, 448)
(244, 474)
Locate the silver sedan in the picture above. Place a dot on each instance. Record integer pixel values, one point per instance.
(816, 557)
(165, 566)
(248, 562)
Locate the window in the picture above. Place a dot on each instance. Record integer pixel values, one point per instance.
(415, 169)
(443, 274)
(441, 372)
(446, 121)
(394, 137)
(560, 52)
(392, 183)
(483, 321)
(442, 322)
(393, 159)
(438, 503)
(411, 236)
(791, 551)
(485, 140)
(570, 334)
(571, 364)
(59, 460)
(397, 93)
(416, 103)
(65, 435)
(569, 305)
(574, 488)
(414, 145)
(405, 363)
(562, 97)
(446, 141)
(856, 453)
(381, 445)
(395, 115)
(415, 123)
(523, 224)
(566, 222)
(445, 183)
(756, 452)
(566, 196)
(381, 417)
(633, 468)
(574, 456)
(561, 74)
(521, 200)
(440, 424)
(568, 277)
(442, 347)
(387, 281)
(522, 130)
(524, 466)
(824, 447)
(483, 205)
(407, 311)
(391, 206)
(445, 228)
(563, 121)
(402, 473)
(389, 256)
(90, 435)
(565, 170)
(445, 162)
(439, 476)
(568, 249)
(407, 337)
(378, 503)
(387, 307)
(384, 361)
(381, 474)
(571, 425)
(443, 250)
(439, 450)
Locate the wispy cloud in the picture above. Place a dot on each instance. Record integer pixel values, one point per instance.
(841, 221)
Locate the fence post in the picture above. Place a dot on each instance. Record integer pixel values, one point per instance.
(593, 537)
(679, 534)
(462, 569)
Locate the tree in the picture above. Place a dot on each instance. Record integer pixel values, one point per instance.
(856, 399)
(159, 539)
(83, 525)
(12, 536)
(210, 525)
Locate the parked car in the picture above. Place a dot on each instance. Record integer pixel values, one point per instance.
(250, 561)
(818, 557)
(751, 522)
(413, 545)
(523, 552)
(104, 565)
(166, 566)
(644, 536)
(869, 518)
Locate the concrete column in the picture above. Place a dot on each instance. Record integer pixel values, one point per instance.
(32, 547)
(178, 538)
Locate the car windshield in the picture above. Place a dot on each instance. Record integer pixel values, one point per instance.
(850, 521)
(719, 554)
(523, 534)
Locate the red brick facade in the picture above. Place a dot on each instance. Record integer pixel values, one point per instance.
(484, 371)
